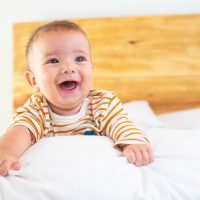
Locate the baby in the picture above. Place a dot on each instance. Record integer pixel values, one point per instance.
(60, 73)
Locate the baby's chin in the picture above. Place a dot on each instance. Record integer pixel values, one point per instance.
(68, 106)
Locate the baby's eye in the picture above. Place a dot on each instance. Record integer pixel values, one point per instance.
(80, 59)
(52, 61)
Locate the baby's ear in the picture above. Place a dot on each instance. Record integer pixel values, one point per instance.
(30, 77)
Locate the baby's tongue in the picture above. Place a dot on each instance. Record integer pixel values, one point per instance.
(68, 85)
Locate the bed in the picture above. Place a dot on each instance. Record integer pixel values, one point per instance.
(152, 64)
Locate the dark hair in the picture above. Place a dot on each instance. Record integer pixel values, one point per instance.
(52, 26)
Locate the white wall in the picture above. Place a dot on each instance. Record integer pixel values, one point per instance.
(12, 11)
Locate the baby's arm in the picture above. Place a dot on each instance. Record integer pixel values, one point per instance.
(138, 154)
(12, 145)
(134, 144)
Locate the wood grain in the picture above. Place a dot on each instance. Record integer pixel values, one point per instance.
(154, 58)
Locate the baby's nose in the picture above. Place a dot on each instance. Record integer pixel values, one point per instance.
(68, 68)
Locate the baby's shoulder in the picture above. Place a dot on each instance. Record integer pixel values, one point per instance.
(100, 94)
(35, 105)
(37, 102)
(36, 99)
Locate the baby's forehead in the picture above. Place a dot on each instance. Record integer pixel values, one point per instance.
(56, 32)
(58, 37)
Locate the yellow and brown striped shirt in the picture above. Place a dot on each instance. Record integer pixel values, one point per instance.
(101, 113)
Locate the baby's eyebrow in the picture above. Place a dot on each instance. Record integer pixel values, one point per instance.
(50, 54)
(80, 51)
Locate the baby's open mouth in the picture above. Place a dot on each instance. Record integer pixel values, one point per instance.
(68, 85)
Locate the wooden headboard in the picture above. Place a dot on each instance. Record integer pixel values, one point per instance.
(154, 58)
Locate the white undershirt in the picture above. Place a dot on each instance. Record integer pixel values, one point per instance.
(69, 119)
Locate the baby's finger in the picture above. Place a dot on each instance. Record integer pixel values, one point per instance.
(129, 155)
(1, 159)
(151, 156)
(15, 165)
(145, 157)
(5, 167)
(3, 170)
(138, 157)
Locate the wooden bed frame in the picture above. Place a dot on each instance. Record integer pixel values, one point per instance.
(152, 58)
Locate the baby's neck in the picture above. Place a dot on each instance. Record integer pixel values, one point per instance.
(65, 111)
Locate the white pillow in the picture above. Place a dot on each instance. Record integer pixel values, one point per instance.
(72, 167)
(185, 119)
(142, 114)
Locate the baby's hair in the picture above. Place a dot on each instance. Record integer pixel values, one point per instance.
(52, 26)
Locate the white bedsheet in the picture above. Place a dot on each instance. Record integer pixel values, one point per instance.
(89, 168)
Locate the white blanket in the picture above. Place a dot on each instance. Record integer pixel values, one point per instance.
(89, 168)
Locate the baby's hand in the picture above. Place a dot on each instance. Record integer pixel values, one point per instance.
(7, 161)
(138, 154)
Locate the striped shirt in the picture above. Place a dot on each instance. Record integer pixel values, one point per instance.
(101, 113)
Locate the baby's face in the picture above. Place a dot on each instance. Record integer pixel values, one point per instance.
(62, 69)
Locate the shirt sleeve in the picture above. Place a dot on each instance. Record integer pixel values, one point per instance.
(31, 116)
(117, 125)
